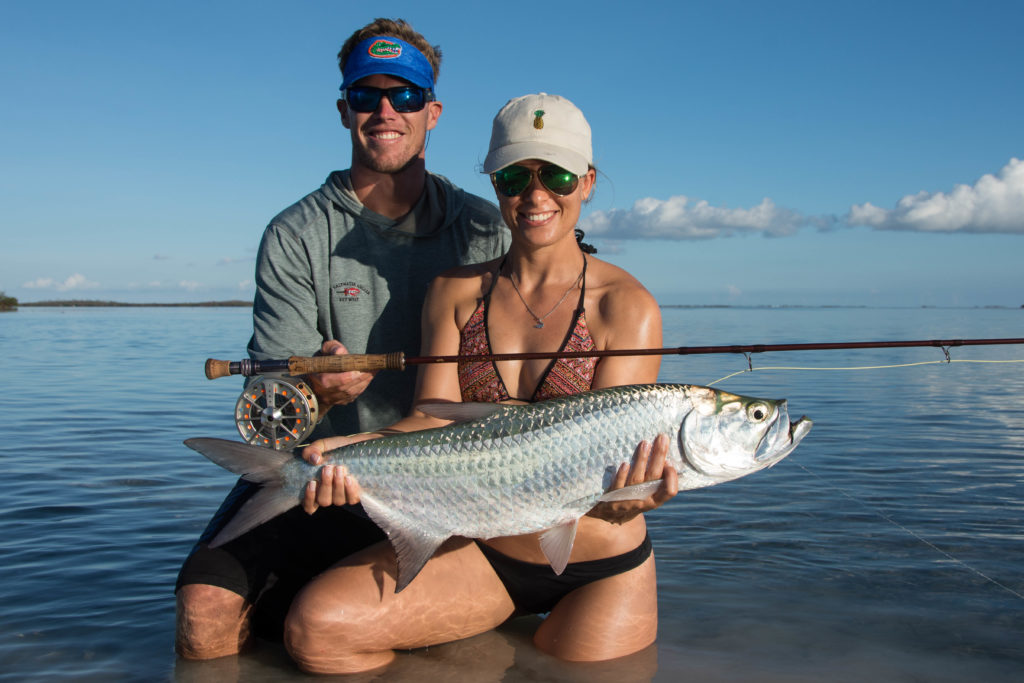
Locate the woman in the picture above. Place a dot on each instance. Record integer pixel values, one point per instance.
(546, 294)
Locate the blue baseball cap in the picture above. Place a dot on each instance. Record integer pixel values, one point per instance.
(391, 56)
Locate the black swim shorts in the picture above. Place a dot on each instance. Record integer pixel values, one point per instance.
(269, 564)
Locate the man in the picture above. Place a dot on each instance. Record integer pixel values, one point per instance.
(345, 269)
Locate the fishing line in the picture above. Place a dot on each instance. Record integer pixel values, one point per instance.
(863, 504)
(913, 533)
(750, 367)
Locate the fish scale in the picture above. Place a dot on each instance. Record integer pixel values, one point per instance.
(505, 470)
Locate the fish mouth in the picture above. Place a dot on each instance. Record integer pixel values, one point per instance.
(782, 438)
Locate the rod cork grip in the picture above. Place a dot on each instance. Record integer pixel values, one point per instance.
(217, 368)
(348, 362)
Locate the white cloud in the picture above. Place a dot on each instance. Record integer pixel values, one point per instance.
(680, 218)
(994, 204)
(190, 285)
(76, 281)
(245, 285)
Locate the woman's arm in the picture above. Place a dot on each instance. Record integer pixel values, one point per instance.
(630, 318)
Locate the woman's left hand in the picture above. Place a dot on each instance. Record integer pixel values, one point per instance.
(335, 486)
(648, 465)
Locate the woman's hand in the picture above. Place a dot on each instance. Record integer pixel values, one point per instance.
(336, 486)
(648, 465)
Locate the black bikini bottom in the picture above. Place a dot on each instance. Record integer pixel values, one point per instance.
(536, 589)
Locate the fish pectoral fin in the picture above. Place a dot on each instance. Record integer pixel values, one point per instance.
(634, 492)
(460, 412)
(557, 542)
(414, 543)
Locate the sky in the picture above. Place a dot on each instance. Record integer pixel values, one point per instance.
(749, 153)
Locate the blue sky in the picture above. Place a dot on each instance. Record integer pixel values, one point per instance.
(757, 153)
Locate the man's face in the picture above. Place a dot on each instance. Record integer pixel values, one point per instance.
(384, 140)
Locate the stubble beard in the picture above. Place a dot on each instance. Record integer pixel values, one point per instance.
(385, 165)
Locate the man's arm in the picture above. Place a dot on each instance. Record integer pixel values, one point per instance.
(287, 317)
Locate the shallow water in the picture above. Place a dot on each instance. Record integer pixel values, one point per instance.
(889, 545)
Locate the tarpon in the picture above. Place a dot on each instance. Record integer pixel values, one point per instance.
(505, 470)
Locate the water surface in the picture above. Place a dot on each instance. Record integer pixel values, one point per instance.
(889, 545)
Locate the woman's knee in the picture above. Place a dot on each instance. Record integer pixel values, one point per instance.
(606, 619)
(324, 639)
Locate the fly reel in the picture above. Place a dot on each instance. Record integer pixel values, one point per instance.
(276, 413)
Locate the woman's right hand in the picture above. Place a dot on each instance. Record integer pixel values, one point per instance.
(336, 486)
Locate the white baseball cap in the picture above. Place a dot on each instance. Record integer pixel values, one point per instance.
(545, 127)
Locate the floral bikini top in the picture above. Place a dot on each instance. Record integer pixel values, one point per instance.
(480, 381)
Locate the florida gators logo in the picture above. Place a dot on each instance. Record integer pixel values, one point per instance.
(384, 49)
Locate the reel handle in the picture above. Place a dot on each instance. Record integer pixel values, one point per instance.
(301, 365)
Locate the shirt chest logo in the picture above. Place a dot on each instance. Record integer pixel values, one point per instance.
(349, 291)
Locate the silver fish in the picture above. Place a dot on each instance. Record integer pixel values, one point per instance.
(504, 470)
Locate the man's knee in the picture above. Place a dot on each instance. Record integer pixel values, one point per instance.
(211, 622)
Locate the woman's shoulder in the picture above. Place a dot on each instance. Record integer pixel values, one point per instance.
(455, 293)
(620, 311)
(615, 286)
(465, 278)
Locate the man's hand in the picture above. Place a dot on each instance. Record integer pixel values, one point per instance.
(648, 465)
(337, 388)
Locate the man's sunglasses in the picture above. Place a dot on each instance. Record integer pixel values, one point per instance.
(512, 181)
(404, 99)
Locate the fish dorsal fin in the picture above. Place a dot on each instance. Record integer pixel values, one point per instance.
(414, 544)
(557, 542)
(460, 412)
(634, 492)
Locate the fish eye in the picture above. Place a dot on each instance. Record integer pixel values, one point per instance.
(758, 412)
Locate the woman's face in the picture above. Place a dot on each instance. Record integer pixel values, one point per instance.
(539, 215)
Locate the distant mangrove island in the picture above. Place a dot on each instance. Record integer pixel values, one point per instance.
(8, 303)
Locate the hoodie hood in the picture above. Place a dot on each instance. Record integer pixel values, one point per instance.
(437, 208)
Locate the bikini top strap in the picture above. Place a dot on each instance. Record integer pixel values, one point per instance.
(583, 284)
(494, 280)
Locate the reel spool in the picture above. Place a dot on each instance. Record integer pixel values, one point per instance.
(276, 413)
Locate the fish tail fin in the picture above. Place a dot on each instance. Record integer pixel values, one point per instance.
(263, 506)
(256, 464)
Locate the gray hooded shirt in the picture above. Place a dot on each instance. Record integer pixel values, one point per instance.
(329, 268)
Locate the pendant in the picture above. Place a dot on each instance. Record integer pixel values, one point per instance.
(539, 325)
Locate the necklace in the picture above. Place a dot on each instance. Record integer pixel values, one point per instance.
(540, 319)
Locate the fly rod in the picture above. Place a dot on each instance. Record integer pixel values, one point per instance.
(396, 360)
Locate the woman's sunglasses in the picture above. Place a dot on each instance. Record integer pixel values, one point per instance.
(512, 181)
(404, 99)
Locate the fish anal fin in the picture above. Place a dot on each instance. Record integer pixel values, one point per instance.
(460, 412)
(634, 492)
(414, 545)
(557, 542)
